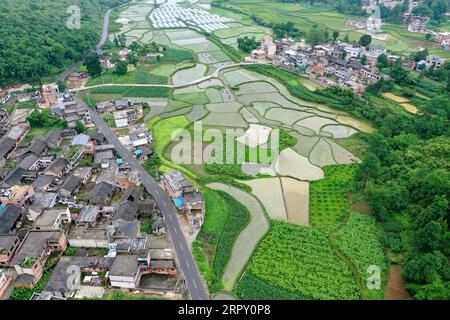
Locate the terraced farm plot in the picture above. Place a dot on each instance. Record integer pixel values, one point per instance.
(360, 125)
(315, 123)
(248, 239)
(300, 261)
(268, 97)
(248, 116)
(304, 131)
(210, 83)
(341, 155)
(147, 37)
(226, 107)
(291, 164)
(199, 47)
(255, 87)
(322, 154)
(262, 107)
(255, 136)
(272, 198)
(228, 119)
(186, 76)
(304, 144)
(339, 131)
(165, 129)
(296, 197)
(197, 113)
(237, 77)
(214, 95)
(286, 116)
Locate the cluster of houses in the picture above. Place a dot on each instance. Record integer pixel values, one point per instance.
(84, 196)
(334, 63)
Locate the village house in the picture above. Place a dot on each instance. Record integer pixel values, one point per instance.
(39, 202)
(8, 246)
(17, 195)
(105, 107)
(83, 173)
(44, 183)
(10, 218)
(34, 252)
(70, 186)
(434, 61)
(5, 281)
(124, 53)
(50, 93)
(63, 284)
(58, 168)
(185, 197)
(101, 194)
(53, 219)
(76, 79)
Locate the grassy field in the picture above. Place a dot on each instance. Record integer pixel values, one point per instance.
(165, 129)
(126, 91)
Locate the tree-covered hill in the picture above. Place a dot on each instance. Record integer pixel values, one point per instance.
(35, 41)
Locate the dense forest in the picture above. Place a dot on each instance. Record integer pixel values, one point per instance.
(35, 41)
(406, 177)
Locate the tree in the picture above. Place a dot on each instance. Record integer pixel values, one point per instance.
(363, 59)
(61, 86)
(369, 168)
(80, 127)
(315, 36)
(122, 67)
(365, 40)
(346, 38)
(92, 63)
(335, 35)
(247, 44)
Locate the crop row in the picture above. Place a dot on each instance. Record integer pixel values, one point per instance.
(300, 260)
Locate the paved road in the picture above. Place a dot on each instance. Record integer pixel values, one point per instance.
(186, 263)
(101, 43)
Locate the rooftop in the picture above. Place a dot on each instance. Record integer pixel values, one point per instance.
(33, 244)
(124, 266)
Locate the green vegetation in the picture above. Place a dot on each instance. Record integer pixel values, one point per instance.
(359, 240)
(48, 45)
(45, 119)
(299, 261)
(71, 152)
(146, 225)
(141, 75)
(164, 131)
(71, 251)
(238, 218)
(27, 105)
(125, 91)
(234, 54)
(26, 294)
(125, 296)
(247, 44)
(225, 219)
(329, 203)
(252, 288)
